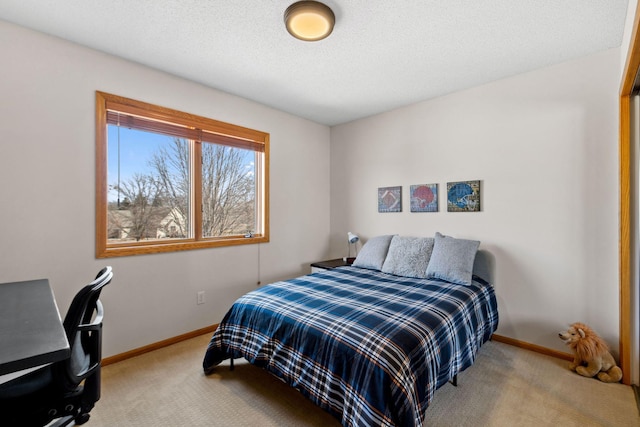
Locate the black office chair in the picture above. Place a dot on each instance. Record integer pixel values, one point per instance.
(64, 391)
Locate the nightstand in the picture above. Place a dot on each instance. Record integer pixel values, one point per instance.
(328, 265)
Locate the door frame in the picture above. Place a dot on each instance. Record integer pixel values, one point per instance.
(627, 259)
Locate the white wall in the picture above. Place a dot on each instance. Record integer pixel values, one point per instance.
(544, 144)
(626, 35)
(47, 170)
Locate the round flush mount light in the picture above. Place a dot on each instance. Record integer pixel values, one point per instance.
(309, 20)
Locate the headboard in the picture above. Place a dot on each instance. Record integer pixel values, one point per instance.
(485, 265)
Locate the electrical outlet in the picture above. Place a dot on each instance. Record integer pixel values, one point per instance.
(200, 297)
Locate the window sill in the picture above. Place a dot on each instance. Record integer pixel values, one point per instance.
(144, 248)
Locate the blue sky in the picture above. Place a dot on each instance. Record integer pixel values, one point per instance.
(136, 149)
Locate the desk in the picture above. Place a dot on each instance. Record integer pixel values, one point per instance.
(31, 332)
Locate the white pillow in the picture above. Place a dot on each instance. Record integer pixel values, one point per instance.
(452, 259)
(408, 256)
(373, 253)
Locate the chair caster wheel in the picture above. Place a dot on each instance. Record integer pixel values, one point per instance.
(82, 418)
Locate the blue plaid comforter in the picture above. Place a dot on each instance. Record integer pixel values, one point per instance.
(369, 347)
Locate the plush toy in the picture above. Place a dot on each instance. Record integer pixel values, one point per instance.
(591, 354)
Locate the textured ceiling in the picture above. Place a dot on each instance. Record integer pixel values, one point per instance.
(381, 55)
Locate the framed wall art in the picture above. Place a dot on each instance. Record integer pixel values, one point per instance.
(424, 198)
(463, 196)
(390, 199)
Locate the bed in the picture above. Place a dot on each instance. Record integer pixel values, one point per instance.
(366, 344)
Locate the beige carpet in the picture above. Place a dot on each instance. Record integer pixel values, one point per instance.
(507, 386)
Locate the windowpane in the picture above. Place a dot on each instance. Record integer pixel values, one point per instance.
(149, 186)
(228, 191)
(168, 180)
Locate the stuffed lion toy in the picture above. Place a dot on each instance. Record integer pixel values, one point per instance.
(591, 354)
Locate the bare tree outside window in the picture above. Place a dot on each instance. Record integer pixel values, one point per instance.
(136, 217)
(156, 205)
(171, 166)
(228, 191)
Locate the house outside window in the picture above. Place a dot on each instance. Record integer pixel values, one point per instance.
(168, 180)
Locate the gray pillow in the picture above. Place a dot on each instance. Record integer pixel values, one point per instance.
(408, 256)
(373, 253)
(452, 259)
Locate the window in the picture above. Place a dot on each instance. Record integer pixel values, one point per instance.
(168, 180)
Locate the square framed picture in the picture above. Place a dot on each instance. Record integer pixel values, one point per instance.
(424, 198)
(463, 196)
(390, 199)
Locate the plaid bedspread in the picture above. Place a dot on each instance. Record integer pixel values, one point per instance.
(369, 347)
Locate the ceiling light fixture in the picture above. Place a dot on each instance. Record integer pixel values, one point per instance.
(309, 20)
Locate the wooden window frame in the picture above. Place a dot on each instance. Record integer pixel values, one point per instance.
(627, 198)
(209, 130)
